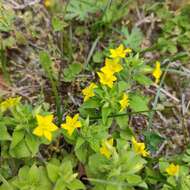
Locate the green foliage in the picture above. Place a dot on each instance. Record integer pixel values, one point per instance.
(133, 39)
(62, 176)
(71, 72)
(47, 65)
(109, 11)
(57, 24)
(175, 29)
(138, 103)
(121, 172)
(32, 178)
(80, 9)
(102, 148)
(16, 132)
(6, 19)
(89, 140)
(55, 175)
(180, 182)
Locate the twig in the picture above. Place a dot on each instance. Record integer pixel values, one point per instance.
(160, 149)
(92, 50)
(167, 93)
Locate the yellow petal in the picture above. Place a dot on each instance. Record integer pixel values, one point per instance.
(172, 169)
(48, 135)
(68, 119)
(65, 126)
(78, 124)
(40, 119)
(38, 131)
(104, 151)
(124, 102)
(53, 127)
(48, 118)
(70, 131)
(75, 118)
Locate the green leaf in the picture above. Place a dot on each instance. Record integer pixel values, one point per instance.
(53, 172)
(32, 143)
(72, 71)
(98, 57)
(23, 172)
(95, 144)
(75, 68)
(80, 9)
(81, 152)
(133, 163)
(4, 135)
(57, 24)
(142, 79)
(91, 103)
(60, 185)
(153, 140)
(75, 185)
(122, 121)
(138, 103)
(20, 150)
(122, 86)
(126, 133)
(45, 183)
(33, 175)
(133, 39)
(105, 113)
(79, 143)
(45, 60)
(17, 137)
(6, 186)
(133, 179)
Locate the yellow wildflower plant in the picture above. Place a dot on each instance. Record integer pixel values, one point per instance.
(9, 103)
(105, 150)
(111, 65)
(45, 126)
(124, 102)
(157, 72)
(119, 52)
(139, 148)
(88, 92)
(107, 78)
(71, 124)
(172, 169)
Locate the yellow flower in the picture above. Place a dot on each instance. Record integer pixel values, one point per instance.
(157, 72)
(107, 78)
(88, 92)
(119, 52)
(112, 65)
(9, 103)
(47, 3)
(105, 148)
(71, 124)
(139, 148)
(172, 169)
(124, 102)
(45, 126)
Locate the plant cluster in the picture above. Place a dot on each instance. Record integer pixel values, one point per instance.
(174, 29)
(102, 141)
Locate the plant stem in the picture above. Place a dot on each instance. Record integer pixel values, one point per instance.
(123, 114)
(3, 61)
